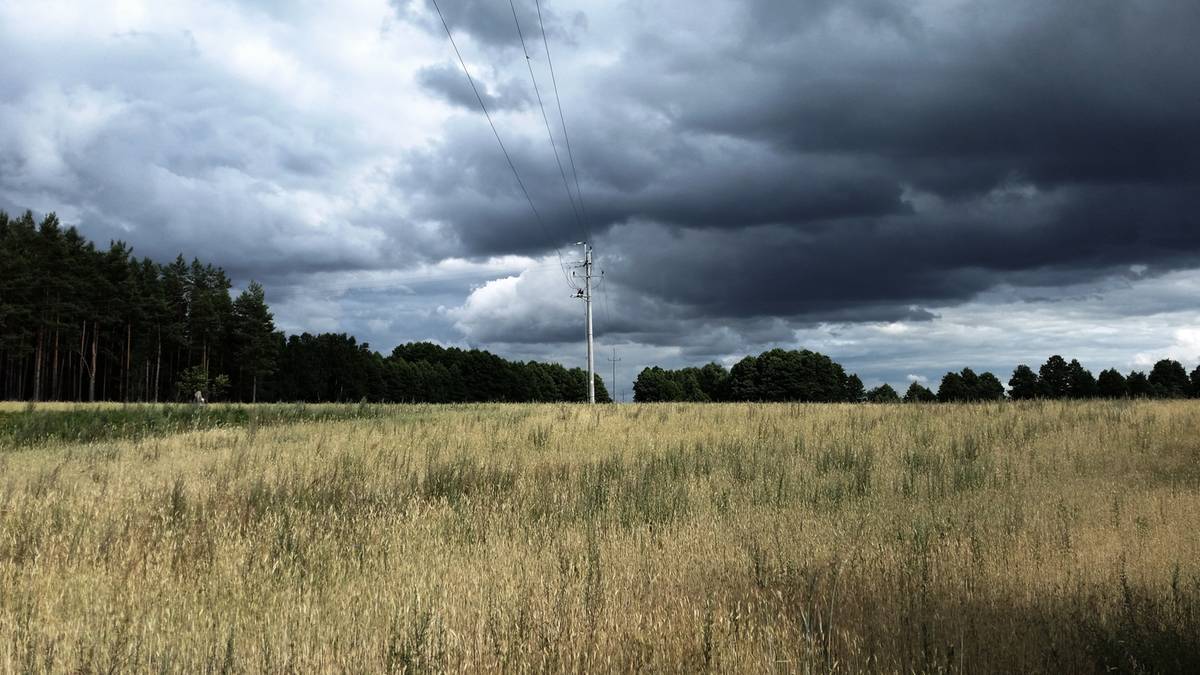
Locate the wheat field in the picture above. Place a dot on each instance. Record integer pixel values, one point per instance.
(1044, 537)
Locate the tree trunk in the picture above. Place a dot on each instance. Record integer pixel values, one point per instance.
(54, 369)
(82, 362)
(254, 389)
(92, 372)
(37, 365)
(157, 365)
(128, 360)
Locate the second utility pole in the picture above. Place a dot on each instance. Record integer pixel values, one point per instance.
(612, 395)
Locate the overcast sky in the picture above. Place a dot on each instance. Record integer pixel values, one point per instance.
(909, 186)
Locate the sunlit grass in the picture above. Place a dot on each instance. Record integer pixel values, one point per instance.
(1046, 537)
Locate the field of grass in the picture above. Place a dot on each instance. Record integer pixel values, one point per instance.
(1046, 537)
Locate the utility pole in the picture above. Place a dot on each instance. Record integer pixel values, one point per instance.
(586, 294)
(613, 394)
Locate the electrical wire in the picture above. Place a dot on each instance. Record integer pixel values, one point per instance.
(545, 118)
(604, 294)
(495, 132)
(562, 118)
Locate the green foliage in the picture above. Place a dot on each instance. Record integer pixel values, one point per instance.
(1061, 379)
(197, 379)
(1144, 635)
(1139, 385)
(1054, 377)
(1168, 379)
(884, 393)
(855, 391)
(919, 393)
(1080, 382)
(966, 386)
(191, 381)
(709, 383)
(1024, 384)
(86, 425)
(776, 375)
(255, 346)
(1111, 384)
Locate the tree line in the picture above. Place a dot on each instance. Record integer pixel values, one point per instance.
(80, 323)
(775, 375)
(806, 376)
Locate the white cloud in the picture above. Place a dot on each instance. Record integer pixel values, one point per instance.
(537, 302)
(1185, 348)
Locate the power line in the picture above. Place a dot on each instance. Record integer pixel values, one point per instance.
(496, 133)
(562, 118)
(545, 118)
(604, 294)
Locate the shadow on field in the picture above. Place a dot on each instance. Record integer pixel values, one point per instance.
(909, 621)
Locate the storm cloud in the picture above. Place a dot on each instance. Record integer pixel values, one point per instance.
(753, 173)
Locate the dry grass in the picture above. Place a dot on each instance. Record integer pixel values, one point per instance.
(1049, 537)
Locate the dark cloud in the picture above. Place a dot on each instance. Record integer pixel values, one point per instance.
(851, 161)
(448, 82)
(750, 170)
(1056, 92)
(490, 23)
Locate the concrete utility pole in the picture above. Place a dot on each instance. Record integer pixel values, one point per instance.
(586, 294)
(613, 394)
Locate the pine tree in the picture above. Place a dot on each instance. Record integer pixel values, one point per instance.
(254, 336)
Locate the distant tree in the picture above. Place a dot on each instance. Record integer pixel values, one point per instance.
(81, 323)
(254, 336)
(714, 381)
(1024, 385)
(953, 389)
(919, 393)
(988, 388)
(966, 385)
(1055, 377)
(970, 381)
(855, 392)
(218, 387)
(1168, 379)
(1111, 384)
(1080, 382)
(743, 384)
(1139, 385)
(884, 393)
(655, 385)
(779, 375)
(192, 380)
(775, 375)
(1196, 382)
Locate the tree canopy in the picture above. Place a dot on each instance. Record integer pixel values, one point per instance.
(775, 375)
(884, 393)
(966, 386)
(919, 393)
(1060, 379)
